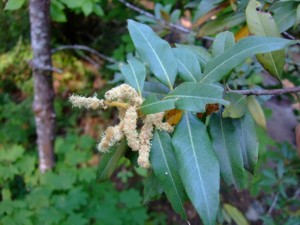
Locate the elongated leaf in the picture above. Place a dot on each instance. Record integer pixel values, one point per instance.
(110, 160)
(285, 15)
(204, 7)
(194, 96)
(235, 214)
(237, 107)
(222, 23)
(165, 169)
(198, 166)
(245, 129)
(256, 111)
(153, 105)
(222, 42)
(135, 74)
(154, 51)
(245, 48)
(188, 66)
(227, 147)
(155, 88)
(152, 188)
(203, 55)
(261, 23)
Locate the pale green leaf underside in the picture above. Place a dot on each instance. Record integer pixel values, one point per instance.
(222, 42)
(218, 67)
(153, 105)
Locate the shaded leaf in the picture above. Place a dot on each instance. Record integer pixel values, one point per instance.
(188, 65)
(223, 22)
(152, 188)
(256, 111)
(198, 166)
(194, 96)
(245, 129)
(261, 23)
(153, 105)
(285, 15)
(155, 88)
(165, 169)
(204, 7)
(222, 42)
(237, 107)
(154, 51)
(235, 214)
(135, 74)
(110, 160)
(227, 148)
(245, 48)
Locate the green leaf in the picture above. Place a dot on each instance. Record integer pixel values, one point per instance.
(73, 4)
(204, 7)
(235, 214)
(152, 188)
(135, 74)
(194, 96)
(285, 15)
(153, 105)
(198, 166)
(164, 166)
(245, 129)
(222, 42)
(14, 4)
(154, 51)
(261, 23)
(87, 7)
(155, 88)
(202, 54)
(110, 160)
(57, 14)
(227, 148)
(98, 10)
(223, 22)
(237, 107)
(245, 48)
(188, 66)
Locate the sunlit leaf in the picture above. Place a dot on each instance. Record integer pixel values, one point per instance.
(235, 214)
(256, 111)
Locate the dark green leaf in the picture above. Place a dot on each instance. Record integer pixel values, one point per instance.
(194, 96)
(204, 7)
(237, 107)
(153, 105)
(152, 188)
(165, 169)
(198, 166)
(227, 148)
(110, 160)
(245, 48)
(188, 66)
(155, 52)
(285, 15)
(222, 42)
(245, 129)
(135, 74)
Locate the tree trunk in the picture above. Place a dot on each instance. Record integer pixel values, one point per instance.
(43, 84)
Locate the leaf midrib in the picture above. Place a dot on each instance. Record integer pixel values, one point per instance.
(135, 77)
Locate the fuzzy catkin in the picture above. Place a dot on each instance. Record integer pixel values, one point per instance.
(111, 136)
(89, 103)
(130, 129)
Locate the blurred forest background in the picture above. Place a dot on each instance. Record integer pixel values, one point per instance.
(69, 193)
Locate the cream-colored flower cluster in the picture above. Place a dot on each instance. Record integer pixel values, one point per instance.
(128, 102)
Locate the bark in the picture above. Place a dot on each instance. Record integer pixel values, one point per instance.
(43, 84)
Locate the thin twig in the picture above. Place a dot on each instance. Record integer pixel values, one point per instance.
(273, 204)
(84, 48)
(163, 22)
(266, 92)
(289, 36)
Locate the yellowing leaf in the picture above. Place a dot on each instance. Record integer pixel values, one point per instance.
(243, 32)
(257, 112)
(173, 116)
(261, 23)
(235, 214)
